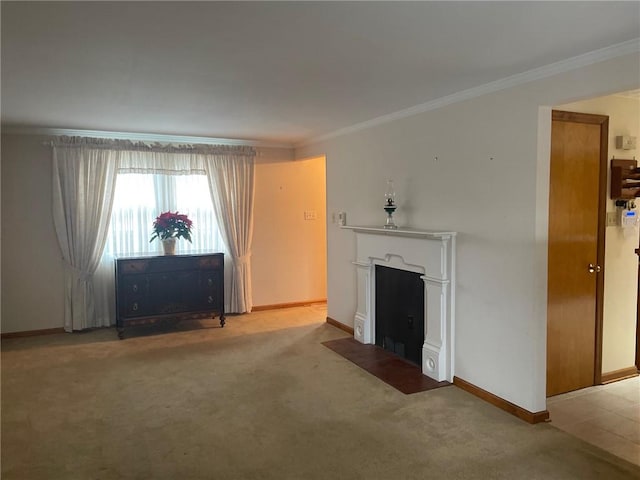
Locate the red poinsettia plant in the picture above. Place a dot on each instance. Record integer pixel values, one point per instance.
(171, 225)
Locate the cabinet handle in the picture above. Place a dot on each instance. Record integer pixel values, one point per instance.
(135, 306)
(135, 287)
(210, 282)
(210, 299)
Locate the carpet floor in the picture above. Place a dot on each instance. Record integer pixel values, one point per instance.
(261, 398)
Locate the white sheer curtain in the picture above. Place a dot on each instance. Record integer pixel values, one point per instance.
(83, 186)
(231, 181)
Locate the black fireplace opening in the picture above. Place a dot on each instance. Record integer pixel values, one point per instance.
(400, 312)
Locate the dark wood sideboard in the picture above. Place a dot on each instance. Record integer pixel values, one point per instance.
(151, 289)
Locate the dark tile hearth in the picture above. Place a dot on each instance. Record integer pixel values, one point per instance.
(388, 367)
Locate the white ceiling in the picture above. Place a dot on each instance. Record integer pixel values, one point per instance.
(275, 71)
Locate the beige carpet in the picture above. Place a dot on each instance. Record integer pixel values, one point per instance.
(259, 399)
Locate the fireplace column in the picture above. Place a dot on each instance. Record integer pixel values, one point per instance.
(434, 350)
(363, 330)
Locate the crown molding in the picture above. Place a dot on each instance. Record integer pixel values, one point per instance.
(562, 66)
(632, 94)
(141, 137)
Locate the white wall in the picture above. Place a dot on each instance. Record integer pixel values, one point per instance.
(289, 252)
(621, 262)
(32, 268)
(476, 167)
(32, 272)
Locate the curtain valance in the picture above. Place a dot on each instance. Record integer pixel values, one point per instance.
(128, 145)
(155, 158)
(162, 163)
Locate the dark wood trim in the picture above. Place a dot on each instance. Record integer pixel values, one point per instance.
(340, 325)
(575, 117)
(603, 121)
(638, 311)
(276, 306)
(32, 333)
(521, 413)
(602, 224)
(621, 374)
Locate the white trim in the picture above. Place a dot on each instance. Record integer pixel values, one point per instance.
(435, 280)
(141, 137)
(361, 264)
(633, 94)
(562, 66)
(400, 232)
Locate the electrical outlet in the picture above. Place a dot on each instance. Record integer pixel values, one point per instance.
(612, 219)
(310, 215)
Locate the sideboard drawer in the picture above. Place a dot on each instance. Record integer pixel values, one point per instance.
(211, 289)
(211, 263)
(133, 266)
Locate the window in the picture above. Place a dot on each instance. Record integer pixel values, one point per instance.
(138, 200)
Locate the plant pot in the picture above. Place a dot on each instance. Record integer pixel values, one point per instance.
(169, 246)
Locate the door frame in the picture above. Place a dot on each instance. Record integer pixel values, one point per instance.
(603, 122)
(638, 312)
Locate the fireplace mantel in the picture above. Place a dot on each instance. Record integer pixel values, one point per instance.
(401, 232)
(430, 253)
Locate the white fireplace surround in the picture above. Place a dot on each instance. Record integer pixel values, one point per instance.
(430, 253)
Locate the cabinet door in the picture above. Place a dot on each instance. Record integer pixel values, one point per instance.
(173, 292)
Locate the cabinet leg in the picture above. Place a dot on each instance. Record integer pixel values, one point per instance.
(120, 333)
(222, 322)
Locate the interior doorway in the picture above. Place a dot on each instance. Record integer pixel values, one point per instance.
(577, 196)
(289, 253)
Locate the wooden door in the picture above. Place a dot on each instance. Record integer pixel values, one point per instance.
(576, 250)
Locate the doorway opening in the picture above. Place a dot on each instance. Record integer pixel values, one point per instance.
(575, 276)
(289, 252)
(617, 345)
